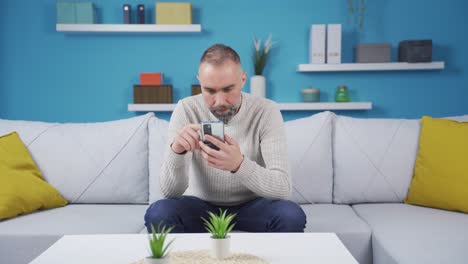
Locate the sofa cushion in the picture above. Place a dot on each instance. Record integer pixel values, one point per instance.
(309, 150)
(404, 233)
(157, 146)
(75, 219)
(22, 187)
(310, 158)
(25, 237)
(373, 159)
(342, 220)
(103, 162)
(441, 173)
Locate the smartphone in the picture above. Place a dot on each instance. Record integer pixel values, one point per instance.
(213, 128)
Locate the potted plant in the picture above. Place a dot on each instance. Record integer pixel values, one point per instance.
(260, 59)
(157, 239)
(219, 226)
(357, 12)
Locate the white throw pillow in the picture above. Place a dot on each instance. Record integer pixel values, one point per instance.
(103, 162)
(309, 149)
(157, 146)
(373, 159)
(310, 158)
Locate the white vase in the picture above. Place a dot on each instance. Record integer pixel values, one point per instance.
(220, 247)
(258, 85)
(150, 260)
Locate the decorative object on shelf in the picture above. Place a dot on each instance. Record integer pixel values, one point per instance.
(152, 94)
(219, 227)
(415, 51)
(196, 89)
(333, 44)
(151, 78)
(157, 240)
(127, 14)
(372, 52)
(260, 59)
(76, 13)
(141, 14)
(258, 85)
(173, 13)
(357, 12)
(311, 95)
(317, 44)
(342, 94)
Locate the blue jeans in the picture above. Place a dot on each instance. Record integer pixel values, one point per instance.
(258, 215)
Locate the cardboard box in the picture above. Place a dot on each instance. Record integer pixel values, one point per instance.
(85, 13)
(66, 13)
(173, 13)
(152, 94)
(76, 13)
(334, 44)
(317, 44)
(196, 89)
(373, 52)
(151, 78)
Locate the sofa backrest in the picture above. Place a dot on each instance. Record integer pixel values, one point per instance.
(309, 151)
(103, 162)
(374, 158)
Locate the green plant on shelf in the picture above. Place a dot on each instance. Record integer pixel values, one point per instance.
(357, 11)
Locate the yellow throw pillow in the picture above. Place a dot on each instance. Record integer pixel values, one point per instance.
(441, 172)
(22, 187)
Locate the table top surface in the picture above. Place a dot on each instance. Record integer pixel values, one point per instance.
(127, 248)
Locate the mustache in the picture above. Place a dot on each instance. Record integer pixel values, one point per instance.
(222, 107)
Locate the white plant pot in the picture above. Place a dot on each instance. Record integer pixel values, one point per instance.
(220, 247)
(258, 85)
(150, 260)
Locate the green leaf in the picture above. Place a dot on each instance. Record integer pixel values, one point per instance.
(219, 225)
(157, 239)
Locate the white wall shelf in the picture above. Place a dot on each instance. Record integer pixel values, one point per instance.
(325, 106)
(138, 28)
(391, 66)
(282, 106)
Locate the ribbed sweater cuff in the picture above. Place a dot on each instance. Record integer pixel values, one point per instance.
(246, 171)
(175, 160)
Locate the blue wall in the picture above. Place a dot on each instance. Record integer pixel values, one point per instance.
(50, 76)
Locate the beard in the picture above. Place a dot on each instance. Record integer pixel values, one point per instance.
(228, 112)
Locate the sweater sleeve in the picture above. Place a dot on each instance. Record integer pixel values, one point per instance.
(174, 171)
(272, 181)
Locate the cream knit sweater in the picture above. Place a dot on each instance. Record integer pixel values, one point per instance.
(259, 130)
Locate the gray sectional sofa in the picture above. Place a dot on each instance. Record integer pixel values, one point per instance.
(350, 176)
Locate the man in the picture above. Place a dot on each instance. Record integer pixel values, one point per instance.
(248, 175)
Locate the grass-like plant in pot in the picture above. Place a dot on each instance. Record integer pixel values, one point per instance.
(158, 245)
(219, 227)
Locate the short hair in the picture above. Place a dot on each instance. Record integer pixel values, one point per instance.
(218, 54)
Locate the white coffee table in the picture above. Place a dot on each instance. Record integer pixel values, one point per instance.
(125, 249)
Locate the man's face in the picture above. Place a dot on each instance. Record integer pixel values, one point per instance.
(221, 87)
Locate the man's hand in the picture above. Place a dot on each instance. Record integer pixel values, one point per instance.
(187, 139)
(228, 157)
